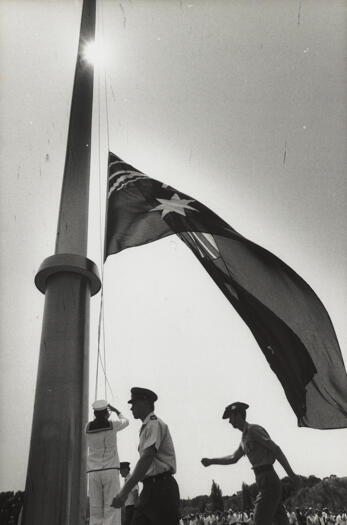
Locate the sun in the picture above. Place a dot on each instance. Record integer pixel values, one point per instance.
(95, 53)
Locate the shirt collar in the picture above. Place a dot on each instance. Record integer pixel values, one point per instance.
(145, 421)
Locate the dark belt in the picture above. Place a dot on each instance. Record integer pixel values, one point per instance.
(157, 477)
(262, 468)
(102, 469)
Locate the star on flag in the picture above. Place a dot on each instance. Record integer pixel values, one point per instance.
(299, 343)
(175, 205)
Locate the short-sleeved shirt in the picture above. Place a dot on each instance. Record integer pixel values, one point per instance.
(256, 445)
(155, 432)
(102, 445)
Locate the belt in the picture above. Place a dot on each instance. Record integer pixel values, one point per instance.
(102, 469)
(157, 477)
(262, 468)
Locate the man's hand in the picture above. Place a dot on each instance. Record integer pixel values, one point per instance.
(113, 409)
(119, 500)
(206, 462)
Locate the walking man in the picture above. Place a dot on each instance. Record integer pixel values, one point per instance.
(130, 502)
(103, 463)
(262, 452)
(159, 499)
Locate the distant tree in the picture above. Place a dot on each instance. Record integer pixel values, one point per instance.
(246, 497)
(301, 492)
(312, 481)
(253, 490)
(330, 492)
(200, 502)
(203, 504)
(290, 486)
(235, 501)
(216, 497)
(10, 506)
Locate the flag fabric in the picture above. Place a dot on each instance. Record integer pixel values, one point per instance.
(287, 319)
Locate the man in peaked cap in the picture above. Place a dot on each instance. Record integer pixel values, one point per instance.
(103, 463)
(262, 452)
(159, 500)
(130, 502)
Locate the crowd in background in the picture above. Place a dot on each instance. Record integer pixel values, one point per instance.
(303, 516)
(11, 504)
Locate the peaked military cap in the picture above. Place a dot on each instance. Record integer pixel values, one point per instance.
(100, 404)
(124, 464)
(138, 393)
(234, 407)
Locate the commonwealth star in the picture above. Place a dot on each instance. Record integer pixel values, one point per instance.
(174, 205)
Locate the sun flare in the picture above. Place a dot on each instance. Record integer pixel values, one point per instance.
(95, 53)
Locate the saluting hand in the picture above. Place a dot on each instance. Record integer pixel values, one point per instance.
(113, 409)
(206, 462)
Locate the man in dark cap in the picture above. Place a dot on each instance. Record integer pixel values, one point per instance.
(130, 502)
(159, 500)
(262, 452)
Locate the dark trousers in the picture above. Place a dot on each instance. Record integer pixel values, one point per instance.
(128, 515)
(268, 507)
(158, 503)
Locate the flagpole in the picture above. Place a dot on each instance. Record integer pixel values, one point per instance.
(55, 492)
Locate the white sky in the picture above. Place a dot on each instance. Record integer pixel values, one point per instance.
(238, 104)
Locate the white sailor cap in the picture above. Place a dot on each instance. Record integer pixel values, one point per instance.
(100, 404)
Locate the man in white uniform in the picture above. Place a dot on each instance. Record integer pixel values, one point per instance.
(103, 463)
(159, 500)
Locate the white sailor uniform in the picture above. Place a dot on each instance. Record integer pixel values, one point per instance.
(103, 471)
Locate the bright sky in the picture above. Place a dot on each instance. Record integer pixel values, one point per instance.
(238, 104)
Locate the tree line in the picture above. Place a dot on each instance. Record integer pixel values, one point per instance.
(304, 491)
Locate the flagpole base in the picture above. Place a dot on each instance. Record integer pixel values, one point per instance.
(70, 263)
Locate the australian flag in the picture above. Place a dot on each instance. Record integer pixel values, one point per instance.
(287, 319)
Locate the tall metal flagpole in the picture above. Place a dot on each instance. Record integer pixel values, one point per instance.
(55, 492)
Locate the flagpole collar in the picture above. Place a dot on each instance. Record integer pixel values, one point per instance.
(71, 263)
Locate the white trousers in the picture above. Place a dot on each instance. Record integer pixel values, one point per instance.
(103, 486)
